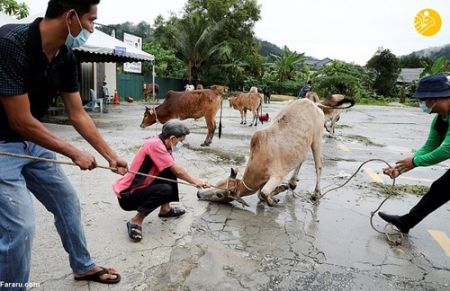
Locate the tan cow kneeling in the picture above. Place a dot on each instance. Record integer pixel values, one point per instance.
(275, 151)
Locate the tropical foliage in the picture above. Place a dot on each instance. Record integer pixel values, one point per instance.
(14, 8)
(384, 69)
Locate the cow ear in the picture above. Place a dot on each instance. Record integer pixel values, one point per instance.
(146, 108)
(234, 172)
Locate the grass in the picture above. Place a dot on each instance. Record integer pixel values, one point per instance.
(386, 189)
(386, 101)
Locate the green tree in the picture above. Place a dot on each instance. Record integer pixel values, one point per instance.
(413, 61)
(14, 8)
(384, 68)
(166, 64)
(440, 65)
(192, 38)
(287, 63)
(237, 18)
(342, 78)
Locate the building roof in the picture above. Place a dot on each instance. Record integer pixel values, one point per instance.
(409, 75)
(103, 48)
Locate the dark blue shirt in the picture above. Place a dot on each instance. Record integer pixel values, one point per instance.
(25, 69)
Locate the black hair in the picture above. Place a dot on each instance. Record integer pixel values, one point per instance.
(57, 7)
(441, 126)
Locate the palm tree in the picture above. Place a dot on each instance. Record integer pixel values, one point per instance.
(193, 41)
(11, 7)
(286, 64)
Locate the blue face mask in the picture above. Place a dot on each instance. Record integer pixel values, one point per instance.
(80, 39)
(177, 147)
(424, 107)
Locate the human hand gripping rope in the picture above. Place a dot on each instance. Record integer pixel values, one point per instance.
(101, 167)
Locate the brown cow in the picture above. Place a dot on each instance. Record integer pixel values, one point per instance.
(275, 151)
(149, 89)
(189, 104)
(332, 115)
(247, 101)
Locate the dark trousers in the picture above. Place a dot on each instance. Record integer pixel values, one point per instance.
(151, 197)
(438, 195)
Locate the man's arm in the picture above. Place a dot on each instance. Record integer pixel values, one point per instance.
(182, 174)
(87, 129)
(23, 122)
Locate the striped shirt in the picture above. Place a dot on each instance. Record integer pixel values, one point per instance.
(25, 69)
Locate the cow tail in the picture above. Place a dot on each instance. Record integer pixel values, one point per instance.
(261, 110)
(220, 118)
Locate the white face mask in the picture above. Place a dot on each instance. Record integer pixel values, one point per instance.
(80, 39)
(425, 108)
(177, 147)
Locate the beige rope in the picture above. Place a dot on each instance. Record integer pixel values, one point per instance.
(396, 237)
(98, 166)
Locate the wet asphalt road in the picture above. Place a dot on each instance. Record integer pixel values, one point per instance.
(293, 246)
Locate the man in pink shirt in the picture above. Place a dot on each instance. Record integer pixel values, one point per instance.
(145, 194)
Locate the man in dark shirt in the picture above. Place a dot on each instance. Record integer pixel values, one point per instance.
(36, 64)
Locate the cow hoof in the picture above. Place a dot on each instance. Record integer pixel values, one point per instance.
(260, 197)
(272, 201)
(292, 185)
(204, 144)
(241, 122)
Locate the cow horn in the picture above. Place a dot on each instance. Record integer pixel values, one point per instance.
(234, 172)
(240, 200)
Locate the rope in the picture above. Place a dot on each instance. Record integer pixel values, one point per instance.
(98, 166)
(397, 240)
(396, 237)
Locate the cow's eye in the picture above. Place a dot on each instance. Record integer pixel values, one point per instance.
(219, 195)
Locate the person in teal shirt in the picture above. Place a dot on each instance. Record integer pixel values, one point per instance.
(433, 93)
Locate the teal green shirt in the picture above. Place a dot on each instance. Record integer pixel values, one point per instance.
(436, 149)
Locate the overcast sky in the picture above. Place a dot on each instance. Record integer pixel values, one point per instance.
(349, 30)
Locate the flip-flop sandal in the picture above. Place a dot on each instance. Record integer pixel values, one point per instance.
(173, 212)
(96, 277)
(134, 231)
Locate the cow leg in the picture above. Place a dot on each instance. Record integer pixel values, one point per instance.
(273, 187)
(242, 116)
(316, 148)
(255, 117)
(245, 115)
(211, 124)
(334, 121)
(294, 178)
(326, 126)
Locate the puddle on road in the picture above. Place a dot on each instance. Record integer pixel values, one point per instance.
(221, 155)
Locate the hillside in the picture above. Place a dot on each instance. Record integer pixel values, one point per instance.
(434, 52)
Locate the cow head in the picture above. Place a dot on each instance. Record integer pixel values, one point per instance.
(149, 117)
(224, 191)
(220, 90)
(232, 101)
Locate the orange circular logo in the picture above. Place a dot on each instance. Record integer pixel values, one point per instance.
(427, 22)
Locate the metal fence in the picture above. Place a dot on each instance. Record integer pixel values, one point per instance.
(132, 85)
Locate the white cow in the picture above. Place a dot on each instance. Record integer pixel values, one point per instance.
(253, 89)
(275, 151)
(189, 87)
